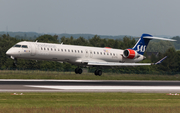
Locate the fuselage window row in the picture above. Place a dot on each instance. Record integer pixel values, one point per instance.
(68, 50)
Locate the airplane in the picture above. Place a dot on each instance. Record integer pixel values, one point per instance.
(84, 56)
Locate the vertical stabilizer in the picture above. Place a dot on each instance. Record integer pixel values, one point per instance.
(142, 43)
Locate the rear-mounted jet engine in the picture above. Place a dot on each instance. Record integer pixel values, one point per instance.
(131, 54)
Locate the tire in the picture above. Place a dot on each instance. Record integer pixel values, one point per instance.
(99, 72)
(80, 71)
(14, 64)
(76, 70)
(95, 72)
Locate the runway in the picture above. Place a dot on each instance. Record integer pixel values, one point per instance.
(137, 86)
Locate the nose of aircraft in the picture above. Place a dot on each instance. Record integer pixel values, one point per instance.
(9, 52)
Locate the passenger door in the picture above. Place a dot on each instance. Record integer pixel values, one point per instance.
(33, 49)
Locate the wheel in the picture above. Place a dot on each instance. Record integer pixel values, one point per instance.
(14, 64)
(99, 72)
(79, 70)
(76, 70)
(95, 72)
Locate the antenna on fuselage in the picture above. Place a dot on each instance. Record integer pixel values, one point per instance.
(61, 43)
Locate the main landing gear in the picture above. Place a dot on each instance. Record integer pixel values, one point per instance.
(98, 72)
(78, 71)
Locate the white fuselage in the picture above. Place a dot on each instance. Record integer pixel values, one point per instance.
(68, 53)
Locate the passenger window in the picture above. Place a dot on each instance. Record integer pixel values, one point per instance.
(51, 49)
(68, 50)
(41, 48)
(107, 53)
(101, 53)
(81, 51)
(65, 50)
(58, 49)
(75, 51)
(94, 52)
(110, 53)
(24, 46)
(78, 51)
(104, 53)
(44, 48)
(48, 49)
(97, 52)
(72, 51)
(62, 50)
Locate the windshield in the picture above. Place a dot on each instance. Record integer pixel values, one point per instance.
(24, 46)
(17, 45)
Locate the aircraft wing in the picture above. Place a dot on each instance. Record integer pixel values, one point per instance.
(117, 64)
(111, 64)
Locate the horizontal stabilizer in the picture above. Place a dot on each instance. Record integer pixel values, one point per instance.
(148, 37)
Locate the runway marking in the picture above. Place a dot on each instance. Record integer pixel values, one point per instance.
(52, 80)
(110, 87)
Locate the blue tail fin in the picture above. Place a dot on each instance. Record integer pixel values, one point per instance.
(142, 43)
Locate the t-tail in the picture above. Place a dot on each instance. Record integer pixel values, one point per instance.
(142, 43)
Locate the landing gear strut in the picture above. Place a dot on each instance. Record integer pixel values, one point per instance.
(98, 72)
(78, 71)
(15, 62)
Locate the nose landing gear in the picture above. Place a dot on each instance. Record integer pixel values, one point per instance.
(15, 62)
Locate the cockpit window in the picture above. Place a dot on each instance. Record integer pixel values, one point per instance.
(24, 46)
(17, 45)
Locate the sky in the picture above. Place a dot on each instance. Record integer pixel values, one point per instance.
(101, 17)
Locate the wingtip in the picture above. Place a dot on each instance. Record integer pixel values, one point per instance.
(160, 61)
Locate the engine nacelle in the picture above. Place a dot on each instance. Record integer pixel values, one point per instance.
(131, 54)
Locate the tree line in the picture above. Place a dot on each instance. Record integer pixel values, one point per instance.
(165, 48)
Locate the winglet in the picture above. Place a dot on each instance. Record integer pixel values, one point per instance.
(160, 60)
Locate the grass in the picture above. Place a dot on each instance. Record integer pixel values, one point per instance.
(89, 103)
(35, 74)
